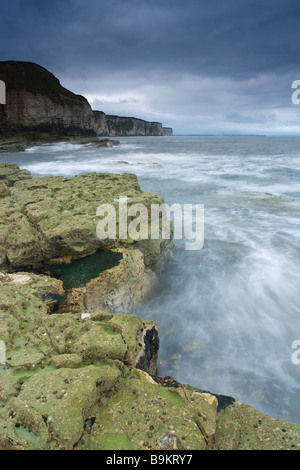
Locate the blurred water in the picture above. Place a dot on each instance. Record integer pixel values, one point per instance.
(229, 313)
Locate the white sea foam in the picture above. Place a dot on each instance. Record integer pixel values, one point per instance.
(57, 147)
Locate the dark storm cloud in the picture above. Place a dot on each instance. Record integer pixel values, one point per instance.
(224, 37)
(126, 45)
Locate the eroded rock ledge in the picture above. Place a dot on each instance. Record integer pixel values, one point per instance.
(76, 376)
(81, 381)
(51, 220)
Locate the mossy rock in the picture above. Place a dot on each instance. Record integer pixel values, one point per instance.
(144, 415)
(4, 190)
(242, 427)
(70, 381)
(58, 366)
(50, 218)
(10, 173)
(52, 407)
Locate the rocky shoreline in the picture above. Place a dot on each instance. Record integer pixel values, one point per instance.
(23, 141)
(80, 371)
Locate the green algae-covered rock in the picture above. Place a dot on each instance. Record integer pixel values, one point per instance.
(58, 366)
(146, 415)
(46, 288)
(143, 415)
(242, 427)
(10, 173)
(4, 190)
(53, 406)
(34, 338)
(87, 381)
(53, 220)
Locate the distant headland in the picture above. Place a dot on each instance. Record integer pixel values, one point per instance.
(39, 107)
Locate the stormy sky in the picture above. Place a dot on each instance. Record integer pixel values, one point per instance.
(199, 66)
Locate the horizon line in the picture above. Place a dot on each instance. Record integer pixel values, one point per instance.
(235, 135)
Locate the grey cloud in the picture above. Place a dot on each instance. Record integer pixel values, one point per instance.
(257, 118)
(233, 59)
(233, 37)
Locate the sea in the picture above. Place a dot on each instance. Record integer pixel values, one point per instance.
(228, 313)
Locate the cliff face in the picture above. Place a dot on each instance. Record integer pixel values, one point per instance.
(36, 102)
(167, 131)
(130, 126)
(101, 127)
